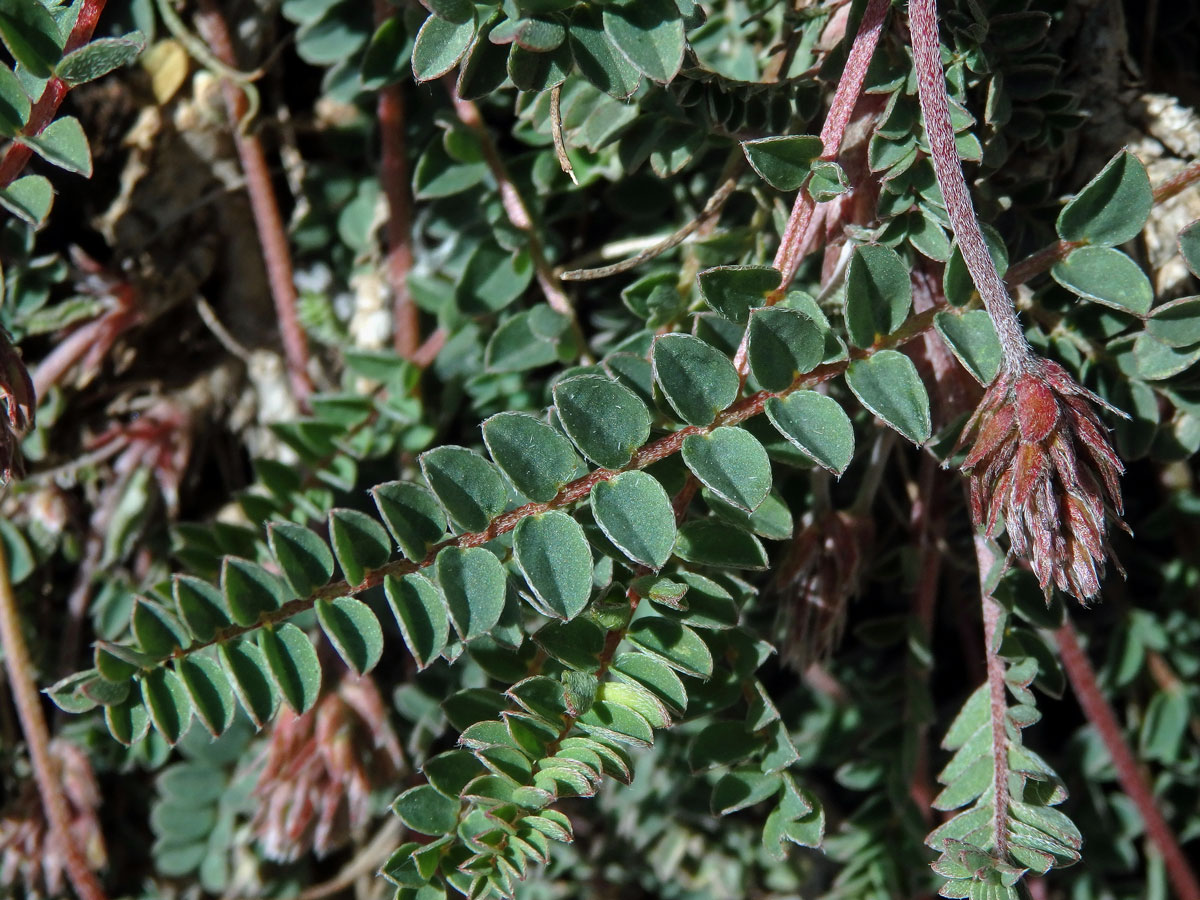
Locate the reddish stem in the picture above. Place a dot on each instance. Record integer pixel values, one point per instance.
(849, 88)
(1100, 713)
(406, 328)
(37, 736)
(935, 110)
(267, 219)
(56, 89)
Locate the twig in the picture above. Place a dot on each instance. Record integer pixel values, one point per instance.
(935, 110)
(556, 132)
(366, 861)
(1100, 713)
(406, 326)
(56, 89)
(33, 723)
(992, 613)
(268, 221)
(711, 208)
(849, 88)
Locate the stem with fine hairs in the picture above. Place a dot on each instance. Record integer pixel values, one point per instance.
(935, 110)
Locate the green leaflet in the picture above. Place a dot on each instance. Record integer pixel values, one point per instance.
(878, 294)
(1112, 208)
(783, 162)
(64, 144)
(29, 197)
(304, 558)
(156, 631)
(292, 661)
(353, 630)
(1107, 276)
(731, 463)
(605, 420)
(597, 58)
(735, 290)
(473, 583)
(412, 514)
(537, 459)
(210, 692)
(31, 36)
(557, 562)
(1177, 323)
(675, 644)
(634, 512)
(817, 425)
(712, 543)
(426, 811)
(440, 45)
(972, 339)
(648, 33)
(167, 702)
(360, 543)
(250, 590)
(697, 379)
(467, 485)
(888, 385)
(420, 611)
(783, 343)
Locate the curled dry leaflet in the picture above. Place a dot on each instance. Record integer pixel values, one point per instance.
(546, 448)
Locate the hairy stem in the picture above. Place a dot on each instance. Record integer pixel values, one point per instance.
(1100, 713)
(42, 114)
(788, 257)
(935, 110)
(267, 218)
(33, 724)
(406, 328)
(992, 614)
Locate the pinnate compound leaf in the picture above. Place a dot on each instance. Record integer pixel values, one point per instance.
(731, 463)
(353, 630)
(426, 811)
(972, 339)
(783, 343)
(468, 486)
(167, 703)
(293, 664)
(156, 631)
(440, 45)
(648, 33)
(783, 162)
(537, 459)
(359, 541)
(412, 514)
(29, 197)
(888, 385)
(878, 294)
(817, 425)
(675, 644)
(711, 542)
(31, 35)
(735, 290)
(605, 420)
(99, 57)
(1113, 207)
(247, 669)
(554, 555)
(635, 513)
(1107, 276)
(209, 690)
(1177, 323)
(63, 144)
(698, 379)
(250, 590)
(473, 582)
(303, 556)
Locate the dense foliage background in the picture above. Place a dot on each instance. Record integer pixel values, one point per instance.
(700, 610)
